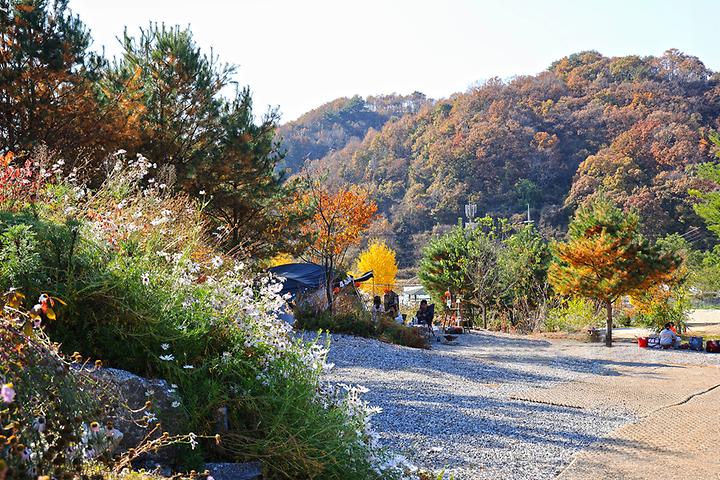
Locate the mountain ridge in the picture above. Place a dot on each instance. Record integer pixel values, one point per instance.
(630, 128)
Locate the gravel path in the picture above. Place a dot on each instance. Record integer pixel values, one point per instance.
(451, 407)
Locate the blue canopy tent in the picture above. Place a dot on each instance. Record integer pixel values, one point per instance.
(303, 277)
(299, 277)
(306, 279)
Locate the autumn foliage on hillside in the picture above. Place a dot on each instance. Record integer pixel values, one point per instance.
(341, 123)
(629, 127)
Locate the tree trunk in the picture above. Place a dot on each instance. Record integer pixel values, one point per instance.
(328, 283)
(608, 333)
(484, 313)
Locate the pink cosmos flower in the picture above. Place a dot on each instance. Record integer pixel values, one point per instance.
(7, 393)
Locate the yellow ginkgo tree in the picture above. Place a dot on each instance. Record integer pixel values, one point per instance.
(381, 260)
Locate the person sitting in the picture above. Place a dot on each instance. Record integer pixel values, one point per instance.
(425, 314)
(668, 338)
(377, 309)
(391, 302)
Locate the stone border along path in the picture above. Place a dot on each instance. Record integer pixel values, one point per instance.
(504, 406)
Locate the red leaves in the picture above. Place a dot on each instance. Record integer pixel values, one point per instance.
(19, 183)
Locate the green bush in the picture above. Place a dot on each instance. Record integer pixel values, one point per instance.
(675, 309)
(147, 292)
(575, 315)
(353, 323)
(360, 324)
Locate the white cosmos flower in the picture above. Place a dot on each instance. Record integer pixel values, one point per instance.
(167, 358)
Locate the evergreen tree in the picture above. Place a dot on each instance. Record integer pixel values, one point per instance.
(245, 194)
(178, 88)
(212, 145)
(47, 83)
(709, 206)
(606, 257)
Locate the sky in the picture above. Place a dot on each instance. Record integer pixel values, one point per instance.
(299, 54)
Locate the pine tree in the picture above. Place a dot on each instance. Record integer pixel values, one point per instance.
(47, 83)
(606, 257)
(178, 88)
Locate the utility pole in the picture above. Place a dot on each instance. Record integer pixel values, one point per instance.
(529, 220)
(470, 212)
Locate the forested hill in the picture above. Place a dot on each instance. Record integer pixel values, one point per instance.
(631, 127)
(342, 122)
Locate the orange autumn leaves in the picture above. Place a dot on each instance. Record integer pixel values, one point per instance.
(339, 218)
(606, 257)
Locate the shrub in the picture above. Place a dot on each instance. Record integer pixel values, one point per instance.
(360, 324)
(392, 332)
(148, 292)
(575, 315)
(675, 309)
(57, 417)
(352, 323)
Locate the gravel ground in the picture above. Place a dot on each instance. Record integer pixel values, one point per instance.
(450, 408)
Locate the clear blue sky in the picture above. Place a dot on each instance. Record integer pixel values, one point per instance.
(299, 54)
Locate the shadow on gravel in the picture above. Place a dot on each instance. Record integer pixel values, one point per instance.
(595, 366)
(493, 340)
(438, 418)
(472, 369)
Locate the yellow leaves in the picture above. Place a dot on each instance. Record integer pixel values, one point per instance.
(34, 316)
(28, 328)
(14, 299)
(381, 260)
(281, 259)
(544, 140)
(6, 159)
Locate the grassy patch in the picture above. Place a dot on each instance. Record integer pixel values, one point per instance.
(360, 324)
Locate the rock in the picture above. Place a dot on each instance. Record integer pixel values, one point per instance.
(235, 471)
(133, 393)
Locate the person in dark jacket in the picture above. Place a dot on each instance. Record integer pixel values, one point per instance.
(425, 314)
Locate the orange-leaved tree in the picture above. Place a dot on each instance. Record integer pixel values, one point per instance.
(48, 82)
(381, 260)
(606, 257)
(339, 218)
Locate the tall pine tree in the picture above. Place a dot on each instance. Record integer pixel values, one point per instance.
(48, 93)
